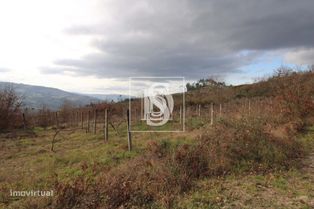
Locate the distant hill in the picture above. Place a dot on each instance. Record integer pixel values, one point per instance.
(37, 96)
(109, 97)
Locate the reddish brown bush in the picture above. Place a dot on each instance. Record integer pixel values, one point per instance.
(10, 109)
(295, 92)
(245, 144)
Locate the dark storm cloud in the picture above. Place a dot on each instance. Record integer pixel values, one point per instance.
(192, 38)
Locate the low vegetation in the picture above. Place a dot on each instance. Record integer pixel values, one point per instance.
(166, 171)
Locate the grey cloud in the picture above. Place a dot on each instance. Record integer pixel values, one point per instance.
(301, 56)
(58, 69)
(4, 70)
(192, 38)
(190, 66)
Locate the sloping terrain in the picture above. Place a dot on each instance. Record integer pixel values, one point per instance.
(52, 98)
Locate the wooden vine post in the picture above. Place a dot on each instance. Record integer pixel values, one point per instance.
(24, 121)
(88, 122)
(135, 115)
(180, 114)
(211, 114)
(106, 125)
(249, 107)
(128, 130)
(77, 119)
(95, 121)
(142, 107)
(57, 120)
(82, 124)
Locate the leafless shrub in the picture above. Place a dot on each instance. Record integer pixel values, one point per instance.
(10, 109)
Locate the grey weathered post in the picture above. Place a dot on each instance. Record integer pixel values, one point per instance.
(220, 110)
(77, 119)
(88, 121)
(57, 120)
(199, 110)
(211, 114)
(95, 121)
(74, 119)
(106, 125)
(128, 130)
(142, 108)
(50, 119)
(135, 115)
(180, 114)
(71, 119)
(24, 121)
(249, 107)
(82, 124)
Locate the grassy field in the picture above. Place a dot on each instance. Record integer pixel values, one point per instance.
(293, 188)
(27, 163)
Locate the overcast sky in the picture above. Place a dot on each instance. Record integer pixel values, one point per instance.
(93, 46)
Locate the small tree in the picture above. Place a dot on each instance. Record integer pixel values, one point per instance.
(10, 108)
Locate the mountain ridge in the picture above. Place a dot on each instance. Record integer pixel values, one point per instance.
(35, 96)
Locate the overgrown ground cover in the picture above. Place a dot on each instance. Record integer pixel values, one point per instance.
(82, 161)
(292, 188)
(27, 162)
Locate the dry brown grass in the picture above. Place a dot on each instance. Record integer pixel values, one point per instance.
(166, 171)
